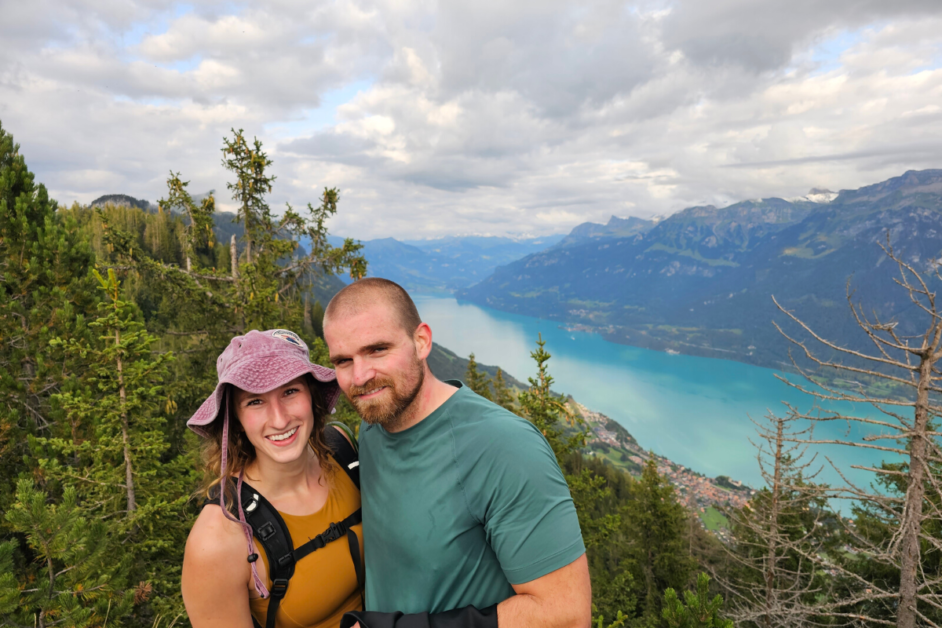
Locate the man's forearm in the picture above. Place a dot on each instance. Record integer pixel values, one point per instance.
(561, 599)
(529, 611)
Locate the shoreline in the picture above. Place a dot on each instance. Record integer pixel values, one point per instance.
(705, 496)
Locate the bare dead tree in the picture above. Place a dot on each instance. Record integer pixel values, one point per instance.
(775, 580)
(904, 500)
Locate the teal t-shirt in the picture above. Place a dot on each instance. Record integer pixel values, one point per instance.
(460, 506)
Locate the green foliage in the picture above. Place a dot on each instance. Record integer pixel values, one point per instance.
(875, 528)
(45, 290)
(618, 622)
(655, 522)
(565, 433)
(547, 411)
(113, 464)
(198, 234)
(503, 395)
(697, 609)
(249, 163)
(76, 578)
(476, 380)
(9, 591)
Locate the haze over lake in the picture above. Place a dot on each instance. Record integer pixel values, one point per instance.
(692, 410)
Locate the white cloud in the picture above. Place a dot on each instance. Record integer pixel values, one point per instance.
(483, 117)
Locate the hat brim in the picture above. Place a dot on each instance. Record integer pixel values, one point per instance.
(254, 379)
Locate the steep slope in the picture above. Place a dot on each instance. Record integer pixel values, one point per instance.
(701, 280)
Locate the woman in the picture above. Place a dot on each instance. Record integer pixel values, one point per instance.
(265, 443)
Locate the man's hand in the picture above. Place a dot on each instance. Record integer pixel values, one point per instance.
(560, 599)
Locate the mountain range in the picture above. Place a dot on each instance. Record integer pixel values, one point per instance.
(445, 264)
(701, 281)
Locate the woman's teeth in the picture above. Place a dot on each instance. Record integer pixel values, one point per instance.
(284, 436)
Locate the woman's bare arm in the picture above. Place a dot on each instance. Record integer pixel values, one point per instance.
(216, 574)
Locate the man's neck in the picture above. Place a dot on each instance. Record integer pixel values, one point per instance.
(432, 395)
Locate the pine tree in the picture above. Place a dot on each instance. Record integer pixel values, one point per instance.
(45, 290)
(44, 268)
(775, 580)
(549, 412)
(477, 380)
(250, 165)
(113, 468)
(697, 609)
(503, 396)
(565, 432)
(199, 232)
(79, 576)
(654, 526)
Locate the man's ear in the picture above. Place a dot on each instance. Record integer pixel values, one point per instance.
(423, 340)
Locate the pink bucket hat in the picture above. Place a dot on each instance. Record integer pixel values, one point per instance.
(258, 362)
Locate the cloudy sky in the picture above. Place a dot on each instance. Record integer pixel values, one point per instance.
(503, 117)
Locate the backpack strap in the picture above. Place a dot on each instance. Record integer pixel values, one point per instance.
(347, 455)
(272, 534)
(345, 451)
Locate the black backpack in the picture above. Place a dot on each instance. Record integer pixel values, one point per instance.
(272, 534)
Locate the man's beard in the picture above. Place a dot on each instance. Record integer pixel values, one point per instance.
(388, 412)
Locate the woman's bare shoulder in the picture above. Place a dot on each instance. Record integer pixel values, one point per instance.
(215, 541)
(215, 569)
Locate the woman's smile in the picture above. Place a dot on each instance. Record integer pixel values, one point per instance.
(285, 438)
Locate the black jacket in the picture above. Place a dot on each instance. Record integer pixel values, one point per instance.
(467, 617)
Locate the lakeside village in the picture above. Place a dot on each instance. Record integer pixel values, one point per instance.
(706, 496)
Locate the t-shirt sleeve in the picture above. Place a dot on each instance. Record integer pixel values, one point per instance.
(516, 489)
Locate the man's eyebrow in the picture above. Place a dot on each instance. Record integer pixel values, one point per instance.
(337, 356)
(364, 349)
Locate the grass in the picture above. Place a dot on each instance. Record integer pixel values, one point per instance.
(713, 519)
(614, 459)
(692, 254)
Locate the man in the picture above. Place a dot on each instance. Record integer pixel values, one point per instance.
(464, 505)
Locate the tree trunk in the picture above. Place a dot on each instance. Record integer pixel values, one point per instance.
(771, 557)
(189, 264)
(122, 394)
(308, 323)
(234, 257)
(911, 527)
(248, 234)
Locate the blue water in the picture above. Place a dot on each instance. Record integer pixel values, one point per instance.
(695, 411)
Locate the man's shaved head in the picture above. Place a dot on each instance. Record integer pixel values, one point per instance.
(367, 292)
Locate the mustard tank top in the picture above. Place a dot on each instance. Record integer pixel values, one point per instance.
(324, 585)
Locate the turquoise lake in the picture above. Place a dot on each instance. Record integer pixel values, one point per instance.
(695, 411)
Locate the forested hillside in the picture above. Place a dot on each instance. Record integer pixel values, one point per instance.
(701, 281)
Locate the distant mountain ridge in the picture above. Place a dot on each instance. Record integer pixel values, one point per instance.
(701, 280)
(616, 227)
(121, 199)
(445, 264)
